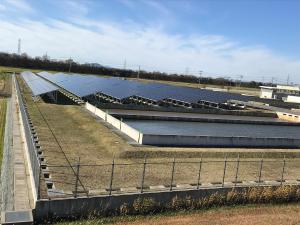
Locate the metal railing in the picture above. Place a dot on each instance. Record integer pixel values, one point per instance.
(152, 175)
(30, 140)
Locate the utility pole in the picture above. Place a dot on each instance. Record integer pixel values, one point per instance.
(19, 46)
(272, 80)
(138, 75)
(241, 78)
(70, 65)
(186, 71)
(288, 80)
(200, 74)
(239, 81)
(125, 64)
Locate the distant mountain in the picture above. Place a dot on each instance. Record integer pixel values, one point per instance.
(97, 65)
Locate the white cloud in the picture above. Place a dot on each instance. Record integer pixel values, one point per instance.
(150, 47)
(19, 5)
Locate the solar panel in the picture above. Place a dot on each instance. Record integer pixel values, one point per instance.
(37, 84)
(84, 85)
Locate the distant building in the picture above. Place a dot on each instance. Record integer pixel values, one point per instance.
(282, 92)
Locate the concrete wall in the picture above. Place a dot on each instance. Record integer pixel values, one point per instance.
(181, 140)
(110, 205)
(118, 124)
(295, 99)
(186, 110)
(266, 93)
(289, 117)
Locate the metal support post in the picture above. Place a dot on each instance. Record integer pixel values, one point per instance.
(283, 170)
(260, 170)
(224, 172)
(237, 169)
(199, 173)
(172, 176)
(143, 175)
(77, 178)
(112, 176)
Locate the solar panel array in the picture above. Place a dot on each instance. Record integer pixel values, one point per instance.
(84, 85)
(37, 84)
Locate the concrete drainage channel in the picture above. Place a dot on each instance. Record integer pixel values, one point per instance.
(38, 149)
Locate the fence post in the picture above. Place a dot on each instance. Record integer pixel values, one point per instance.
(143, 175)
(199, 172)
(237, 169)
(77, 177)
(172, 177)
(112, 176)
(283, 170)
(39, 183)
(224, 172)
(260, 170)
(121, 121)
(139, 137)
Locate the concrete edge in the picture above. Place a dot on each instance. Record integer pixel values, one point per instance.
(23, 217)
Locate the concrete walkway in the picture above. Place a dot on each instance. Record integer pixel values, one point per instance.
(22, 190)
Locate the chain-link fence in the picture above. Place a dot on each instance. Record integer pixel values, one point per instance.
(151, 175)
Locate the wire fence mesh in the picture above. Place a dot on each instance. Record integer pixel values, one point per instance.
(148, 175)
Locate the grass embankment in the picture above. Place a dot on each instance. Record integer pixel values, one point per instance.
(5, 91)
(285, 214)
(2, 126)
(4, 69)
(5, 84)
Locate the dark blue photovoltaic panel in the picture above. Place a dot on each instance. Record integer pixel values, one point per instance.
(84, 85)
(37, 84)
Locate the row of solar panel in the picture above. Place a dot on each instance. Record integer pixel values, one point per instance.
(37, 84)
(84, 85)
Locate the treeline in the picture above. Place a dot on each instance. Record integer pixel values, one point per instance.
(44, 63)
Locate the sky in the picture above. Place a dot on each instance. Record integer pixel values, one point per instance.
(249, 39)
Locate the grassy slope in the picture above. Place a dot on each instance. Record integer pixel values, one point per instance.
(239, 215)
(2, 125)
(18, 70)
